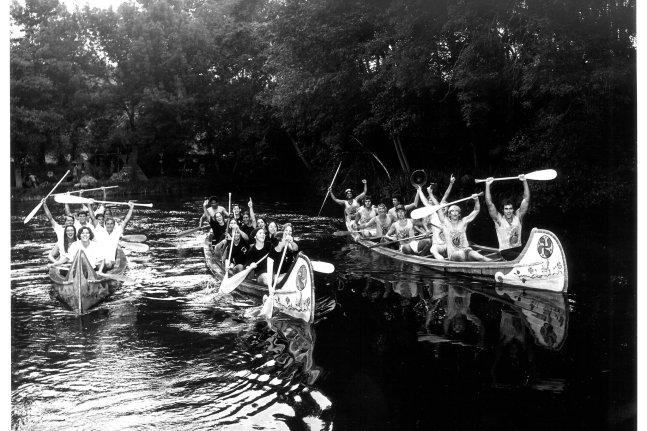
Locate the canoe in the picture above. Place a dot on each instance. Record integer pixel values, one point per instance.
(541, 265)
(295, 293)
(80, 287)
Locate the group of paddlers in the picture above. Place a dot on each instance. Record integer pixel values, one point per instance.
(242, 240)
(442, 234)
(92, 229)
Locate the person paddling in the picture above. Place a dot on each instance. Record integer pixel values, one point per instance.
(256, 252)
(350, 204)
(280, 241)
(454, 228)
(508, 224)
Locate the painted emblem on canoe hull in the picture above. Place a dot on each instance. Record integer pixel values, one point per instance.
(296, 297)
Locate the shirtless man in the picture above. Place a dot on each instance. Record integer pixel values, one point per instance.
(350, 205)
(454, 228)
(508, 224)
(364, 214)
(382, 222)
(403, 229)
(438, 248)
(211, 206)
(397, 201)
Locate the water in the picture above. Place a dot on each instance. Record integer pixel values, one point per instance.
(386, 352)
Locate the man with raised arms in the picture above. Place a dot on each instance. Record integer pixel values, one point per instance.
(397, 200)
(382, 222)
(108, 237)
(211, 207)
(403, 230)
(350, 205)
(438, 247)
(364, 214)
(508, 224)
(454, 228)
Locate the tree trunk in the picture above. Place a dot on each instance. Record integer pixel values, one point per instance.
(296, 147)
(404, 156)
(397, 151)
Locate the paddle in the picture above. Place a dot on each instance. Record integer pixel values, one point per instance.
(86, 190)
(268, 307)
(190, 231)
(545, 175)
(69, 199)
(231, 248)
(134, 238)
(35, 210)
(135, 246)
(398, 240)
(323, 267)
(328, 192)
(345, 232)
(230, 284)
(425, 211)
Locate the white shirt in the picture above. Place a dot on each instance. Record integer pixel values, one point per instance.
(78, 226)
(92, 251)
(109, 243)
(60, 241)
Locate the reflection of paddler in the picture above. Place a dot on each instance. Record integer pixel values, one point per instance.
(512, 350)
(459, 313)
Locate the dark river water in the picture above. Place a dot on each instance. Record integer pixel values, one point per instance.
(393, 346)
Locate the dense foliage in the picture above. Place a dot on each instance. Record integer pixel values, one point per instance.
(470, 87)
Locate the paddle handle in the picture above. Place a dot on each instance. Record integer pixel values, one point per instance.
(88, 190)
(59, 182)
(123, 203)
(398, 240)
(328, 192)
(497, 179)
(35, 210)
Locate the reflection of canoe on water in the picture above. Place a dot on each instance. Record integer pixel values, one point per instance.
(80, 286)
(295, 293)
(541, 264)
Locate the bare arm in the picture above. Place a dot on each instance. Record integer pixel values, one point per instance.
(67, 210)
(361, 195)
(424, 200)
(243, 235)
(391, 231)
(340, 202)
(414, 204)
(449, 189)
(92, 216)
(475, 212)
(251, 213)
(525, 203)
(48, 213)
(488, 201)
(128, 216)
(104, 193)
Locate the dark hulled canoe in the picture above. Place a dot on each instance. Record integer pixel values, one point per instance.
(80, 287)
(295, 293)
(541, 265)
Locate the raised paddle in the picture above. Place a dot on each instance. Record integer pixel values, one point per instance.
(190, 231)
(398, 240)
(323, 267)
(135, 246)
(87, 190)
(425, 211)
(134, 238)
(268, 307)
(69, 199)
(35, 210)
(230, 284)
(545, 175)
(328, 192)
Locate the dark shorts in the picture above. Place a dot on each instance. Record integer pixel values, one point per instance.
(511, 253)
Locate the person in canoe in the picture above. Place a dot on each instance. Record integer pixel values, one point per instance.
(365, 213)
(236, 215)
(218, 227)
(508, 224)
(350, 204)
(211, 207)
(91, 248)
(282, 240)
(249, 220)
(402, 229)
(108, 236)
(438, 247)
(238, 241)
(58, 229)
(382, 222)
(454, 227)
(272, 230)
(97, 208)
(397, 200)
(256, 252)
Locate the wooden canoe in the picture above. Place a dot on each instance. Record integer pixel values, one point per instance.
(295, 293)
(80, 287)
(541, 265)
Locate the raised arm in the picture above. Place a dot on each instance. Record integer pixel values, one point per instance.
(334, 198)
(415, 202)
(488, 201)
(251, 213)
(449, 189)
(92, 216)
(48, 213)
(128, 216)
(424, 200)
(525, 203)
(360, 196)
(477, 207)
(68, 212)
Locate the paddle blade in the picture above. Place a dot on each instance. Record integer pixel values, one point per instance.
(134, 246)
(343, 233)
(190, 231)
(69, 199)
(424, 211)
(230, 284)
(134, 238)
(323, 267)
(545, 175)
(33, 213)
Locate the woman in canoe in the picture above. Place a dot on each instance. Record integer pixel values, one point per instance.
(454, 227)
(282, 240)
(256, 252)
(58, 229)
(350, 205)
(91, 249)
(62, 248)
(272, 230)
(218, 226)
(237, 240)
